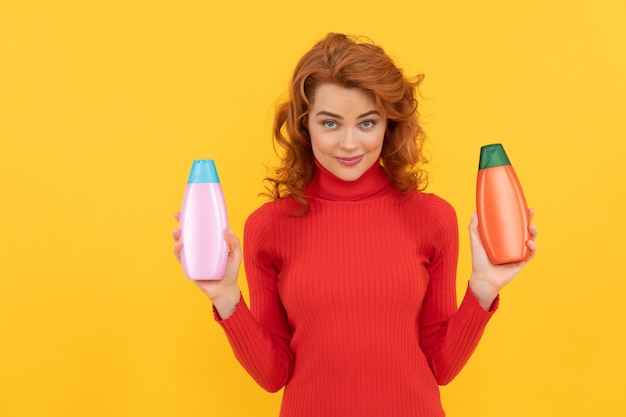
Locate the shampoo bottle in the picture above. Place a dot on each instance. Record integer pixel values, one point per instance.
(203, 220)
(503, 216)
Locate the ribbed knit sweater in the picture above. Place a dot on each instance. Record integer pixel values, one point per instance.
(353, 306)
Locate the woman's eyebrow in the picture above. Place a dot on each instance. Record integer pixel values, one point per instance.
(368, 113)
(336, 116)
(329, 114)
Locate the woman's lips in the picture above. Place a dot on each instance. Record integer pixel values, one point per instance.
(349, 162)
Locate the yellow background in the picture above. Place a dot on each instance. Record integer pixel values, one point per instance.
(104, 104)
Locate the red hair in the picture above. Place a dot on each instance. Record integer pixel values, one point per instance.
(351, 63)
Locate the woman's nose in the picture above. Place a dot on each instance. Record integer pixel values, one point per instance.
(349, 140)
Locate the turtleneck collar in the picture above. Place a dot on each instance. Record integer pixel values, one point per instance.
(329, 187)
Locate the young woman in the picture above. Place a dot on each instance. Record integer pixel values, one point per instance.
(352, 266)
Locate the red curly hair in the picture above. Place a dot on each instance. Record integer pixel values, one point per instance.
(351, 63)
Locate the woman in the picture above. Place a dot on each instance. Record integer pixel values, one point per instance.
(352, 267)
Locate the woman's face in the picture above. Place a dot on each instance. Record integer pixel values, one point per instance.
(346, 130)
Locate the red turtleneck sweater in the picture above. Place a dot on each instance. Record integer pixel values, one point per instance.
(353, 306)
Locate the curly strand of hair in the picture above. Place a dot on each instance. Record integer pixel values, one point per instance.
(292, 175)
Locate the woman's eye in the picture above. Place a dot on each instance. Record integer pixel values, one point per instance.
(329, 124)
(367, 124)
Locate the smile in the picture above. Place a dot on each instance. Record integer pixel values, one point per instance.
(350, 161)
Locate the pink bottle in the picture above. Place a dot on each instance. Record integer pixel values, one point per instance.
(203, 220)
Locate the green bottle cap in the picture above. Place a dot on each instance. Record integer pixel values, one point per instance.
(492, 156)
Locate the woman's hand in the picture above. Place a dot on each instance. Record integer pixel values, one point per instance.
(224, 293)
(488, 279)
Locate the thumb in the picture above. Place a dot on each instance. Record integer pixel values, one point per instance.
(234, 246)
(473, 228)
(476, 243)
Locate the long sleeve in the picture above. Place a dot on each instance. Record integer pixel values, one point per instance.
(260, 335)
(353, 306)
(448, 335)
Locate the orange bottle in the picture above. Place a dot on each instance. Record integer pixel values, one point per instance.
(503, 216)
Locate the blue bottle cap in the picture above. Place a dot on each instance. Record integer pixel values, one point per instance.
(203, 170)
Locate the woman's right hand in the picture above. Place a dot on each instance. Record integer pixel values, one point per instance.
(224, 293)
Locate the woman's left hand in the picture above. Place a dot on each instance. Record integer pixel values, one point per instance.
(488, 279)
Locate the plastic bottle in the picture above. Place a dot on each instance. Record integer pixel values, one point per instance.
(503, 216)
(203, 220)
